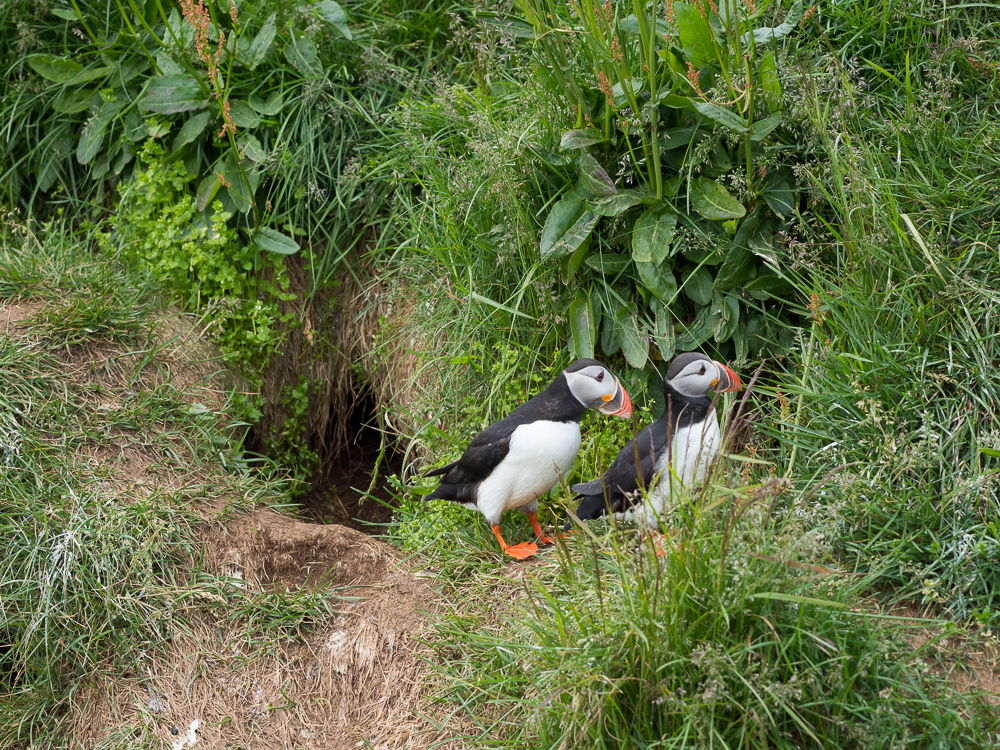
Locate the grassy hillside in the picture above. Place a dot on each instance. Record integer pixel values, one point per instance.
(442, 205)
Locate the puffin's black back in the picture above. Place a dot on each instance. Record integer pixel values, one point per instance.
(555, 404)
(614, 489)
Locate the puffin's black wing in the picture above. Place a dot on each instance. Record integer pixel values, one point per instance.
(622, 478)
(484, 453)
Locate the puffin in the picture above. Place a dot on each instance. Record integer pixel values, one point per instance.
(674, 450)
(513, 462)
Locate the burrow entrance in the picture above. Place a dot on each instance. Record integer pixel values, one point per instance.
(348, 491)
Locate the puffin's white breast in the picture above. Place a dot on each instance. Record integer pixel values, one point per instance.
(541, 453)
(694, 448)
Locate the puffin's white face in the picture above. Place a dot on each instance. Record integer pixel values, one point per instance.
(699, 377)
(596, 387)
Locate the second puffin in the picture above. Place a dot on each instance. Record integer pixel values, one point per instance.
(674, 450)
(512, 463)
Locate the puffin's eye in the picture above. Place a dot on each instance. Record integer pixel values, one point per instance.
(600, 377)
(702, 370)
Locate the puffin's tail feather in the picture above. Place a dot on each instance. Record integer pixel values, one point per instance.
(590, 507)
(441, 470)
(593, 487)
(456, 493)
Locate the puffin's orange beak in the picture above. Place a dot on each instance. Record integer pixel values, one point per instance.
(620, 405)
(728, 380)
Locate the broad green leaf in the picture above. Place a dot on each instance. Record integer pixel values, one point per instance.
(169, 94)
(630, 24)
(193, 127)
(609, 264)
(767, 285)
(770, 34)
(46, 174)
(664, 335)
(92, 134)
(262, 42)
(90, 74)
(739, 266)
(659, 279)
(129, 69)
(610, 344)
(274, 241)
(726, 308)
(635, 344)
(667, 98)
(243, 116)
(990, 452)
(763, 128)
(251, 149)
(652, 234)
(699, 331)
(580, 138)
(736, 270)
(241, 185)
(780, 197)
(698, 286)
(769, 82)
(635, 84)
(207, 190)
(740, 341)
(758, 334)
(70, 101)
(576, 259)
(582, 325)
(302, 54)
(334, 15)
(721, 115)
(123, 160)
(167, 65)
(135, 127)
(695, 34)
(613, 205)
(158, 129)
(593, 178)
(713, 201)
(68, 14)
(55, 69)
(568, 224)
(270, 106)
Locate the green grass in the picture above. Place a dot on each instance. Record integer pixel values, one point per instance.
(882, 414)
(736, 639)
(901, 378)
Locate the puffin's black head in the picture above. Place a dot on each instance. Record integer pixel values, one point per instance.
(596, 387)
(693, 374)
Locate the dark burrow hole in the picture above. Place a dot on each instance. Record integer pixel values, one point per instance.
(340, 493)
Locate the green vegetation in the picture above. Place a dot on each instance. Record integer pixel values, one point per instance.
(809, 189)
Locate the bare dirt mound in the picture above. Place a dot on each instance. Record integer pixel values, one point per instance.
(358, 680)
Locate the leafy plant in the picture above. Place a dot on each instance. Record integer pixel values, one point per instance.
(670, 232)
(203, 263)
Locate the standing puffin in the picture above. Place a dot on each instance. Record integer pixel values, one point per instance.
(512, 463)
(687, 432)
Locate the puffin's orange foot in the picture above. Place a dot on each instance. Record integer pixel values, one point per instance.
(522, 551)
(537, 528)
(662, 543)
